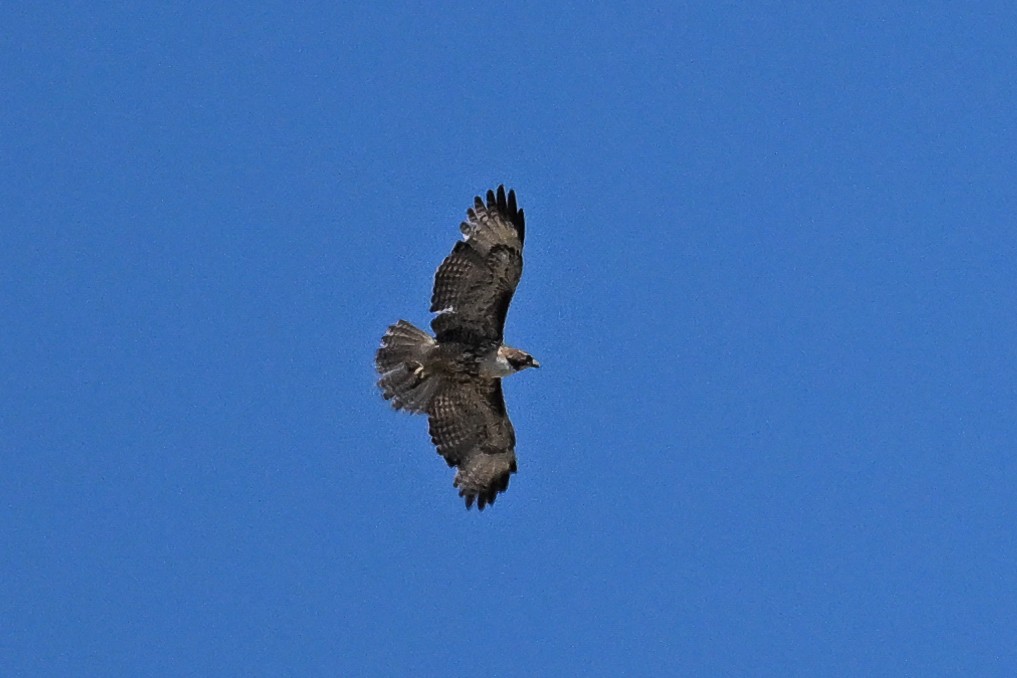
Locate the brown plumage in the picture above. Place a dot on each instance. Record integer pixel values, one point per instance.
(455, 376)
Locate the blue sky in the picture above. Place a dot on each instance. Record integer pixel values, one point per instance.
(770, 277)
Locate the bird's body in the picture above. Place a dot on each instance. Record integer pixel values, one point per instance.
(455, 376)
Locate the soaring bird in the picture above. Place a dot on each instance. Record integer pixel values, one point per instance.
(455, 376)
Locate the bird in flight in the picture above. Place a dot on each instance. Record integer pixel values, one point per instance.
(455, 376)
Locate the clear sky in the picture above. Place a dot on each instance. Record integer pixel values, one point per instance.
(771, 276)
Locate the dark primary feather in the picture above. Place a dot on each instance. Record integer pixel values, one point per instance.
(471, 429)
(474, 285)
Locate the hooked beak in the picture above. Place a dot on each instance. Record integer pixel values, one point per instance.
(535, 364)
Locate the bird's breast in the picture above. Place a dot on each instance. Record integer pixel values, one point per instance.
(495, 365)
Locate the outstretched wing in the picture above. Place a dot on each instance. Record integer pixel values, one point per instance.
(471, 429)
(474, 285)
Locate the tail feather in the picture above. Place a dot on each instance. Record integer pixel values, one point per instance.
(402, 362)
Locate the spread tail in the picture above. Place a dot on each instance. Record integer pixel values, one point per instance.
(402, 362)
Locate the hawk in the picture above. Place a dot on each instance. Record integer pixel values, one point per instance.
(455, 376)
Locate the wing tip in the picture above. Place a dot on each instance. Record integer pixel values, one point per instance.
(506, 204)
(482, 499)
(485, 496)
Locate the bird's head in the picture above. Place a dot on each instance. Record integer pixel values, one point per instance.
(519, 360)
